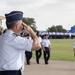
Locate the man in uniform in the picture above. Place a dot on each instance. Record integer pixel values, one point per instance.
(13, 46)
(46, 48)
(28, 52)
(38, 52)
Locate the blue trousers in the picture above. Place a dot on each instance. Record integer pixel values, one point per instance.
(14, 72)
(38, 55)
(46, 54)
(28, 56)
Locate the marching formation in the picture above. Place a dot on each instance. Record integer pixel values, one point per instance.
(44, 50)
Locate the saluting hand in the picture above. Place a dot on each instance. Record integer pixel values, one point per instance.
(26, 27)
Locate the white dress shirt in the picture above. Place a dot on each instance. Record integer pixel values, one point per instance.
(40, 39)
(29, 50)
(12, 48)
(46, 42)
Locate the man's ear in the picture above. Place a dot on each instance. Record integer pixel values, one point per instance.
(16, 26)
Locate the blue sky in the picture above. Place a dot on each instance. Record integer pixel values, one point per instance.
(45, 12)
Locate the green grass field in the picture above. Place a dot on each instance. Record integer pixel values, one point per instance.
(61, 49)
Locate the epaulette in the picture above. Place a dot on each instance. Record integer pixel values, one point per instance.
(15, 34)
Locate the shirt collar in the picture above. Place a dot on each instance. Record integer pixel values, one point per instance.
(10, 31)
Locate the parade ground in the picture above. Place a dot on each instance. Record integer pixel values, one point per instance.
(62, 61)
(55, 67)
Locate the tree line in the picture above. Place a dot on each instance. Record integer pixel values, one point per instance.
(31, 22)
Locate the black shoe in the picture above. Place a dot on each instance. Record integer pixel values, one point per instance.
(28, 64)
(46, 63)
(38, 63)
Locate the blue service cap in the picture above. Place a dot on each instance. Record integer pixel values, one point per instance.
(14, 16)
